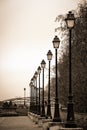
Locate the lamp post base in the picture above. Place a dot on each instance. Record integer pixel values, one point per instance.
(56, 113)
(43, 113)
(56, 120)
(49, 112)
(70, 124)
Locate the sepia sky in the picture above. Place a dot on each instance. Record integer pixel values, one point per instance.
(26, 34)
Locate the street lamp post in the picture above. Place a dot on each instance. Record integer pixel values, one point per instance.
(31, 84)
(49, 57)
(24, 95)
(39, 109)
(70, 20)
(34, 95)
(36, 74)
(56, 118)
(43, 63)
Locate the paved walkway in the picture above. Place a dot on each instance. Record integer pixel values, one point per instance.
(18, 123)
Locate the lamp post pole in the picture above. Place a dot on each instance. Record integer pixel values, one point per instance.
(49, 57)
(34, 95)
(70, 20)
(31, 95)
(36, 92)
(56, 118)
(24, 95)
(39, 109)
(43, 107)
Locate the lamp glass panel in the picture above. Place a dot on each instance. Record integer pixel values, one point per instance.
(36, 74)
(49, 57)
(39, 71)
(56, 44)
(70, 23)
(43, 65)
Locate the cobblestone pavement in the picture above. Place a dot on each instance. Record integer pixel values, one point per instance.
(18, 123)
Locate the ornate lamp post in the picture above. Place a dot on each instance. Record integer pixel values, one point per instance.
(43, 63)
(36, 74)
(31, 101)
(24, 95)
(39, 71)
(70, 20)
(34, 94)
(56, 43)
(49, 57)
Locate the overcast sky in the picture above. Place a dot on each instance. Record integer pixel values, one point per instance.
(26, 34)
